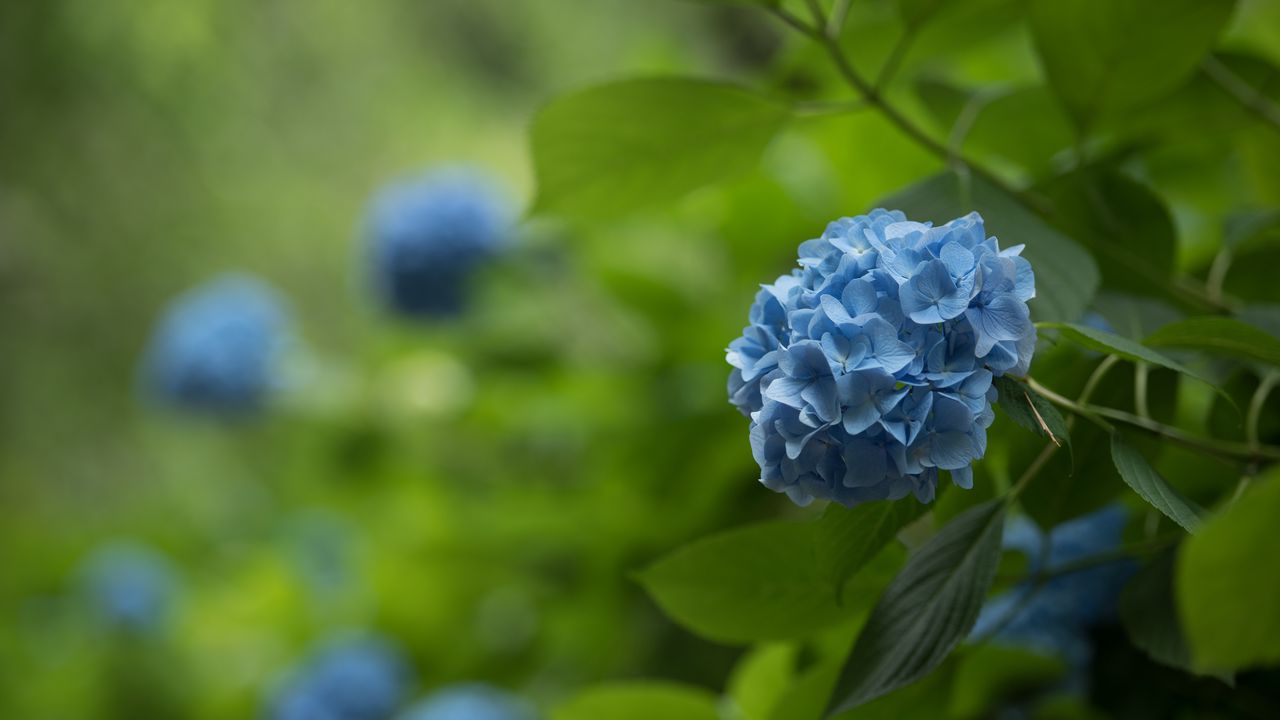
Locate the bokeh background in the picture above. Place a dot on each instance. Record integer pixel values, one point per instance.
(480, 489)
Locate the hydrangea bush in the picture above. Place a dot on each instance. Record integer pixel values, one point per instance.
(868, 369)
(355, 677)
(428, 235)
(129, 586)
(219, 348)
(470, 702)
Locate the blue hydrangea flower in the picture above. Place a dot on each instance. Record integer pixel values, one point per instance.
(1054, 618)
(429, 234)
(349, 678)
(130, 586)
(470, 702)
(218, 348)
(868, 369)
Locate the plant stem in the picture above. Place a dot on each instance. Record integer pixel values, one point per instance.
(838, 15)
(1256, 403)
(1249, 97)
(1141, 371)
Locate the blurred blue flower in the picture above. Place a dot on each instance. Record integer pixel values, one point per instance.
(356, 677)
(429, 234)
(470, 702)
(1054, 619)
(218, 348)
(129, 586)
(868, 369)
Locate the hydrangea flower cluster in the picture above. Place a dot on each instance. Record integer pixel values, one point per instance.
(218, 348)
(470, 702)
(1055, 618)
(429, 234)
(868, 369)
(130, 586)
(349, 678)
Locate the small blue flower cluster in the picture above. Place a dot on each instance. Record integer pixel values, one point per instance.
(350, 678)
(868, 368)
(470, 702)
(130, 586)
(1054, 618)
(429, 235)
(217, 349)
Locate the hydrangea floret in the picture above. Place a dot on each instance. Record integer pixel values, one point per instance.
(869, 368)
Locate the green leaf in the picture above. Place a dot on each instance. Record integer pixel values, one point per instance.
(987, 675)
(760, 582)
(1103, 56)
(1150, 613)
(640, 701)
(1145, 481)
(760, 679)
(1112, 344)
(927, 609)
(1030, 410)
(1221, 336)
(847, 538)
(1228, 590)
(1066, 276)
(611, 149)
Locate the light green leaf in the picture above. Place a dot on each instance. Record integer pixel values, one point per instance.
(1030, 410)
(1066, 276)
(1228, 590)
(640, 701)
(1112, 344)
(1145, 481)
(1102, 56)
(1221, 336)
(760, 582)
(847, 538)
(760, 679)
(927, 609)
(611, 149)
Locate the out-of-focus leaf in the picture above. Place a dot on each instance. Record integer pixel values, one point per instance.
(1123, 223)
(848, 538)
(927, 609)
(1066, 277)
(1102, 56)
(1145, 481)
(640, 701)
(1228, 590)
(1219, 336)
(614, 148)
(916, 12)
(1030, 410)
(760, 582)
(988, 674)
(1150, 614)
(760, 680)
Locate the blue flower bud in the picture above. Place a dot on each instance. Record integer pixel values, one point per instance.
(348, 678)
(129, 586)
(428, 236)
(218, 348)
(868, 369)
(470, 702)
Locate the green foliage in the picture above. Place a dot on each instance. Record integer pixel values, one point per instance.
(1228, 598)
(1107, 56)
(1219, 336)
(927, 609)
(614, 148)
(1145, 481)
(760, 679)
(1110, 343)
(848, 538)
(761, 582)
(988, 674)
(1149, 611)
(1030, 410)
(639, 701)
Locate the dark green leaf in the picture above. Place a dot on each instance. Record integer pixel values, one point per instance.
(1221, 336)
(987, 675)
(1112, 344)
(1030, 410)
(640, 701)
(1145, 481)
(1150, 614)
(614, 148)
(1228, 590)
(1066, 277)
(1109, 55)
(927, 609)
(760, 582)
(847, 538)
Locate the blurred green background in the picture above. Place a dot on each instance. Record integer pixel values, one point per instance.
(483, 488)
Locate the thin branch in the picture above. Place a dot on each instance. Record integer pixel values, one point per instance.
(896, 56)
(1256, 403)
(839, 14)
(1250, 98)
